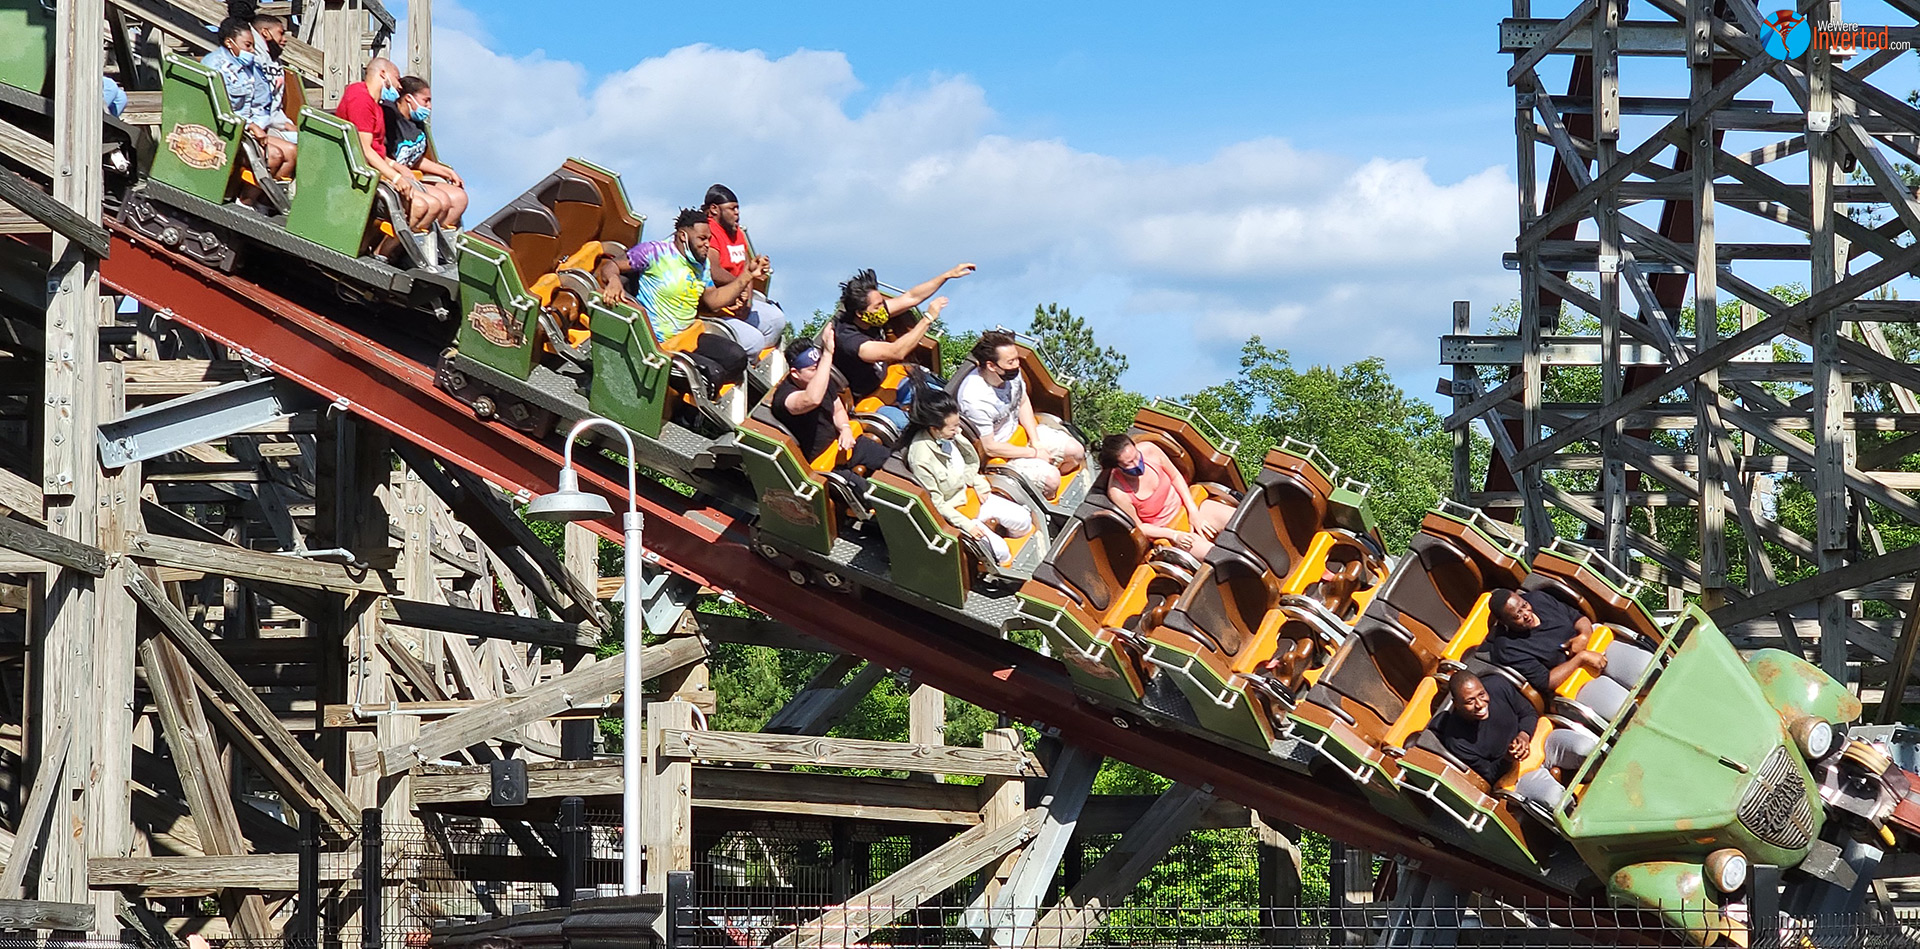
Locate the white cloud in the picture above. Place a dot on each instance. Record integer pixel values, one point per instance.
(1177, 263)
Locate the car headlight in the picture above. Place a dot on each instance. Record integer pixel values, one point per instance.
(1726, 869)
(1814, 736)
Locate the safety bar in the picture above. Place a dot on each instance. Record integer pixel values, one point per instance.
(1226, 697)
(803, 489)
(939, 544)
(1192, 416)
(1474, 823)
(1361, 774)
(1271, 689)
(1315, 613)
(1357, 486)
(1312, 453)
(1586, 556)
(1478, 519)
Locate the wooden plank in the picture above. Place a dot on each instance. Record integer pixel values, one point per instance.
(34, 914)
(923, 879)
(502, 715)
(1905, 560)
(666, 797)
(32, 824)
(274, 872)
(54, 549)
(248, 564)
(307, 602)
(342, 716)
(339, 811)
(414, 614)
(1464, 416)
(1069, 923)
(845, 753)
(35, 203)
(789, 793)
(26, 148)
(1902, 667)
(202, 778)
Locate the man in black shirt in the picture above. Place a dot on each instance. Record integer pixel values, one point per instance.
(807, 403)
(865, 351)
(1540, 637)
(1489, 727)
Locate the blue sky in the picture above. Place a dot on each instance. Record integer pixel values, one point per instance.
(1127, 79)
(1182, 177)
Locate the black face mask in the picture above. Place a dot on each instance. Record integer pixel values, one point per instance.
(274, 48)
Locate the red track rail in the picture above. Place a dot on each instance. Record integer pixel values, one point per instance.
(398, 394)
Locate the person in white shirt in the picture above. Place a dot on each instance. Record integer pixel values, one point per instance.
(994, 400)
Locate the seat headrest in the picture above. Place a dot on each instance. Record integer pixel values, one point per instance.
(522, 219)
(564, 185)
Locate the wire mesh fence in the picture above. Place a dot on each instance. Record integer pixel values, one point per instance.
(902, 925)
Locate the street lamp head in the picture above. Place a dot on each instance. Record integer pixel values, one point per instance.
(568, 502)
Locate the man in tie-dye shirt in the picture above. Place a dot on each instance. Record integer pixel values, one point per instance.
(672, 283)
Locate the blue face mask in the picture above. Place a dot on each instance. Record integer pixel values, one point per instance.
(389, 94)
(421, 114)
(245, 57)
(946, 444)
(1136, 469)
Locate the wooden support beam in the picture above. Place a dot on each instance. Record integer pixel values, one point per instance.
(26, 148)
(30, 200)
(754, 748)
(34, 914)
(1858, 573)
(32, 825)
(259, 872)
(905, 889)
(253, 565)
(1902, 666)
(413, 614)
(666, 797)
(344, 716)
(500, 716)
(493, 520)
(54, 549)
(1070, 922)
(1738, 343)
(1016, 907)
(197, 762)
(319, 790)
(309, 603)
(825, 700)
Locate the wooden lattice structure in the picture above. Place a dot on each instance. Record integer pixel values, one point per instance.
(1636, 211)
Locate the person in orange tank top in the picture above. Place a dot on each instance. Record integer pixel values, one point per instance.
(1148, 486)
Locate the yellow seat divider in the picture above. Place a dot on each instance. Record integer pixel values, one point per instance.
(1311, 567)
(1419, 708)
(1536, 755)
(1598, 641)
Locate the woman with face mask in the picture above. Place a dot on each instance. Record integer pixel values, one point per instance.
(442, 191)
(944, 462)
(1148, 486)
(249, 92)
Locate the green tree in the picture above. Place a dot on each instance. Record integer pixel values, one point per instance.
(1357, 416)
(1092, 371)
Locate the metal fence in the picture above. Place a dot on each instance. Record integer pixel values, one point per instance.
(1155, 927)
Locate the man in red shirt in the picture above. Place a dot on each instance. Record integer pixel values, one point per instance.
(360, 104)
(756, 323)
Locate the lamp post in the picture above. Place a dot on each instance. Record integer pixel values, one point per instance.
(569, 503)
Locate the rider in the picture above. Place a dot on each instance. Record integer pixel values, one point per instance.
(1147, 486)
